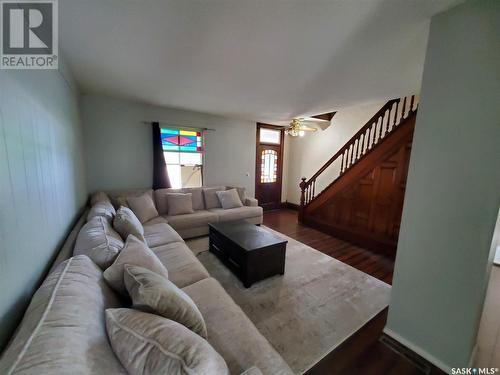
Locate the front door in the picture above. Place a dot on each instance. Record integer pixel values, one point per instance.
(269, 166)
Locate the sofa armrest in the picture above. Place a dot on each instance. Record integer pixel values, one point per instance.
(252, 202)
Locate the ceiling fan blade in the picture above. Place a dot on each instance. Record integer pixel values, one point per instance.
(308, 129)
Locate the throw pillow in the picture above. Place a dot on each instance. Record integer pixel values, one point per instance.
(99, 242)
(153, 293)
(179, 204)
(134, 253)
(210, 195)
(241, 191)
(102, 208)
(127, 223)
(143, 207)
(229, 199)
(150, 344)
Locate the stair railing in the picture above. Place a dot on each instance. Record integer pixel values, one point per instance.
(382, 123)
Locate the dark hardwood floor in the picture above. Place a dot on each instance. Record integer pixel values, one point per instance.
(285, 221)
(362, 353)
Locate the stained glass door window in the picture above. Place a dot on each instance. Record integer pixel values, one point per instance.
(269, 166)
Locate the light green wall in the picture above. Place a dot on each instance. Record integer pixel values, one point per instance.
(42, 182)
(453, 191)
(119, 151)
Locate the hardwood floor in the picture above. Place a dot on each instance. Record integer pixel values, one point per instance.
(285, 221)
(363, 353)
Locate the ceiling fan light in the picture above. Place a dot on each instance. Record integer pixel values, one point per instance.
(301, 133)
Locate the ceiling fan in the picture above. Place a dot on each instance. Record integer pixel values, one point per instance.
(298, 127)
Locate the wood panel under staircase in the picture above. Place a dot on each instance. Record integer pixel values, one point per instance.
(364, 202)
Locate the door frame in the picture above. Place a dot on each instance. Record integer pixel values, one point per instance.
(279, 179)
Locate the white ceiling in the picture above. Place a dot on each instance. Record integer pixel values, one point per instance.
(265, 60)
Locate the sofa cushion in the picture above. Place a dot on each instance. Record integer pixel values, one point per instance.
(179, 203)
(156, 220)
(119, 197)
(99, 241)
(153, 293)
(210, 196)
(126, 223)
(99, 197)
(104, 209)
(63, 329)
(231, 333)
(143, 207)
(239, 213)
(160, 234)
(197, 197)
(183, 267)
(196, 219)
(162, 204)
(134, 253)
(229, 199)
(148, 344)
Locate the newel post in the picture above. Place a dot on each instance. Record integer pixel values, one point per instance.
(302, 198)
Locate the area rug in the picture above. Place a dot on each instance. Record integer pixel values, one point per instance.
(309, 311)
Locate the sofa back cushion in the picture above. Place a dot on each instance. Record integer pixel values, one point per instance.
(119, 197)
(179, 203)
(63, 330)
(104, 209)
(126, 223)
(150, 344)
(99, 241)
(143, 207)
(162, 204)
(210, 196)
(99, 196)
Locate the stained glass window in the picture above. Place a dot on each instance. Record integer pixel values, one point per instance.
(269, 166)
(183, 151)
(181, 140)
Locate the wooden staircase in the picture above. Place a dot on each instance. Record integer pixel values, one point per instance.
(364, 202)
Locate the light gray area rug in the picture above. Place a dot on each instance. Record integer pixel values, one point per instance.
(309, 311)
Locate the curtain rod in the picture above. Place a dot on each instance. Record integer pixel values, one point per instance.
(178, 126)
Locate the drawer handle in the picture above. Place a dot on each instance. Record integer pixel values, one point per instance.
(234, 263)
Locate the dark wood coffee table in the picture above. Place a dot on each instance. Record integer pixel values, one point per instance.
(249, 251)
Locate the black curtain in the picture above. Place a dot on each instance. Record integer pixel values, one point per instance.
(160, 174)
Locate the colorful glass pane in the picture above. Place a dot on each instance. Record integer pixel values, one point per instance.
(181, 140)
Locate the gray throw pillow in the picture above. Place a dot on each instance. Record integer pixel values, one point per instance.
(210, 196)
(143, 207)
(229, 199)
(179, 203)
(150, 344)
(134, 253)
(127, 223)
(99, 242)
(102, 208)
(153, 293)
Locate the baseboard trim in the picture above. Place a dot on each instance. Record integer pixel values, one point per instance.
(291, 206)
(418, 350)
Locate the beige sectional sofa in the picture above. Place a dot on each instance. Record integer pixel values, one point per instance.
(195, 224)
(64, 331)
